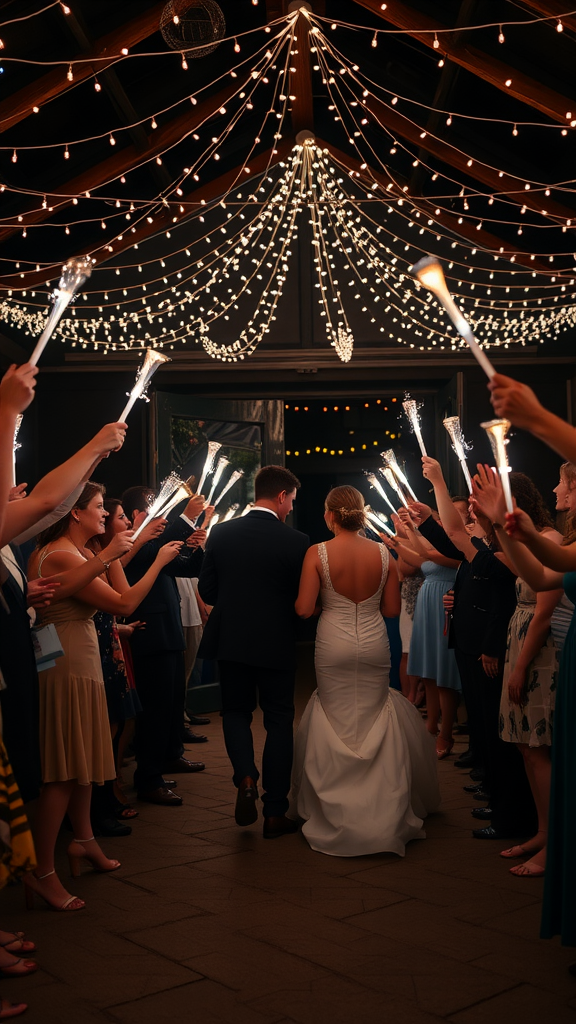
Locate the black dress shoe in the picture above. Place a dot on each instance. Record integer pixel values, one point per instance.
(465, 761)
(183, 765)
(483, 813)
(246, 812)
(110, 827)
(193, 737)
(481, 795)
(476, 787)
(477, 775)
(492, 833)
(194, 720)
(162, 795)
(279, 826)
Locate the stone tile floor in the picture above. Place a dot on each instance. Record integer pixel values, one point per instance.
(207, 922)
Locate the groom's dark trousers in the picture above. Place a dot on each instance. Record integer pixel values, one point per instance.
(251, 574)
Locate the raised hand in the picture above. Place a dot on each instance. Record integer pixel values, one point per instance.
(514, 401)
(488, 496)
(153, 530)
(168, 552)
(120, 544)
(432, 470)
(197, 539)
(17, 387)
(519, 526)
(405, 517)
(40, 593)
(194, 507)
(110, 438)
(17, 492)
(419, 512)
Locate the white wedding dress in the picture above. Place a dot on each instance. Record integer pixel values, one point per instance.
(365, 767)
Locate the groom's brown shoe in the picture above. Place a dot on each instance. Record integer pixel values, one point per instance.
(246, 812)
(280, 826)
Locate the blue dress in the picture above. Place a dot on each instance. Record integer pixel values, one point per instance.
(559, 907)
(430, 657)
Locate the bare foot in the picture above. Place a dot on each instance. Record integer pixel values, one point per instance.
(530, 846)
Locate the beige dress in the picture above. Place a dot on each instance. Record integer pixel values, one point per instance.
(75, 739)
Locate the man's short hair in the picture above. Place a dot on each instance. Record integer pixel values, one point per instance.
(271, 480)
(137, 498)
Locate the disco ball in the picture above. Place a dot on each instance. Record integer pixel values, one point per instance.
(189, 23)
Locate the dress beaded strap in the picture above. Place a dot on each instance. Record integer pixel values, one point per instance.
(323, 555)
(385, 560)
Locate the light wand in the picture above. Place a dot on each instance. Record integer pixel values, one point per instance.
(74, 274)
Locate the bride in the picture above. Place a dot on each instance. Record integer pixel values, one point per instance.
(365, 771)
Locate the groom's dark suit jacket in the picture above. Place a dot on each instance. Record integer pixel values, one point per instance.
(251, 573)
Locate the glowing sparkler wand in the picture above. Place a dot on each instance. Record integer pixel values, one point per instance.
(375, 483)
(74, 274)
(16, 446)
(246, 509)
(429, 273)
(393, 483)
(454, 428)
(171, 484)
(234, 477)
(143, 378)
(213, 449)
(213, 522)
(377, 521)
(497, 430)
(390, 460)
(410, 407)
(231, 512)
(222, 463)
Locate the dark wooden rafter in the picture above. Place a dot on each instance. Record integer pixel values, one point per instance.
(200, 195)
(126, 159)
(554, 9)
(494, 71)
(102, 54)
(507, 184)
(301, 78)
(480, 239)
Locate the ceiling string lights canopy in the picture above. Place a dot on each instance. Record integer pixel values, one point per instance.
(226, 260)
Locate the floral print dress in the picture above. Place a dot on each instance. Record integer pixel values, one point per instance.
(532, 722)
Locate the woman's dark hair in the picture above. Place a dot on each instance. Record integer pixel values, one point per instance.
(347, 506)
(529, 499)
(58, 529)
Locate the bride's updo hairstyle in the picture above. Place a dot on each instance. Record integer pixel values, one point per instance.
(347, 506)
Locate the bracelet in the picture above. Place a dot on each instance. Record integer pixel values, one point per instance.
(105, 564)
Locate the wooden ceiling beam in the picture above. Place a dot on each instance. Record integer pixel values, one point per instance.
(203, 194)
(507, 184)
(494, 71)
(101, 55)
(301, 79)
(124, 160)
(480, 239)
(554, 9)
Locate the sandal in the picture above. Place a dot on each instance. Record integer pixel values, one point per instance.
(528, 870)
(32, 889)
(18, 940)
(124, 812)
(523, 851)
(443, 748)
(11, 1009)
(77, 853)
(19, 968)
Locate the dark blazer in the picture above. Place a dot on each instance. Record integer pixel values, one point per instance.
(251, 574)
(160, 609)
(484, 596)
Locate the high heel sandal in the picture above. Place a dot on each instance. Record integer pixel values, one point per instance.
(75, 859)
(443, 751)
(31, 890)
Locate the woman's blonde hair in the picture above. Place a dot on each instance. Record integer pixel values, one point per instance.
(347, 506)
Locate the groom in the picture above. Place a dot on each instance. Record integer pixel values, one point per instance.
(250, 574)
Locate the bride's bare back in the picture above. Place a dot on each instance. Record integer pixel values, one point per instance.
(355, 565)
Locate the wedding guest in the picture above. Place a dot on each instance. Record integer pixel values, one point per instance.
(250, 575)
(158, 653)
(16, 394)
(531, 667)
(76, 745)
(484, 601)
(411, 579)
(430, 657)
